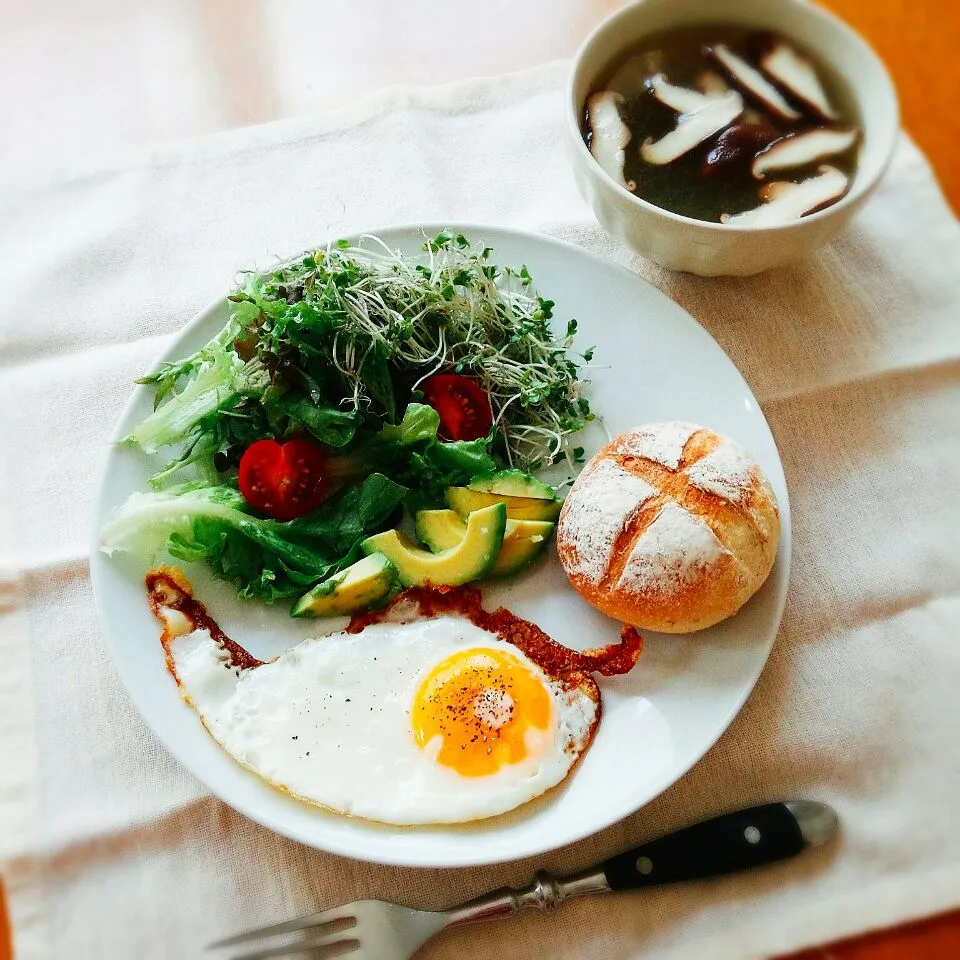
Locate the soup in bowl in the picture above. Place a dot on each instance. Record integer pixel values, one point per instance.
(727, 138)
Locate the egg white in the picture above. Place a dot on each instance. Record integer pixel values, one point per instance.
(329, 721)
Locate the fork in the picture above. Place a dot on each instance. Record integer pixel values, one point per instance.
(379, 930)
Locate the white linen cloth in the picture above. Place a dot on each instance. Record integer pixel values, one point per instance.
(109, 849)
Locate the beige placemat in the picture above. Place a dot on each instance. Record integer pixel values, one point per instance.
(109, 849)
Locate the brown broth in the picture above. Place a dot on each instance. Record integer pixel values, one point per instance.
(681, 56)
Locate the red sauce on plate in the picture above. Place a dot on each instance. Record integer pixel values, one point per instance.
(170, 593)
(555, 658)
(168, 589)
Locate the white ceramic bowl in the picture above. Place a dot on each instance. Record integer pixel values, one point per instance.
(711, 249)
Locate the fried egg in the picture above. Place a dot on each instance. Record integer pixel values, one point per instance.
(431, 712)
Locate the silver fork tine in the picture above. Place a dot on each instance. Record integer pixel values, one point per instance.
(321, 949)
(325, 918)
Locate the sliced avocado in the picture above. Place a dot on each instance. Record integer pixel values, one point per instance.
(522, 543)
(523, 540)
(470, 559)
(440, 530)
(465, 501)
(362, 586)
(512, 483)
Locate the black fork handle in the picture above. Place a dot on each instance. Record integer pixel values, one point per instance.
(725, 844)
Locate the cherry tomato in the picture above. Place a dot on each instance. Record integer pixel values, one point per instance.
(283, 480)
(462, 403)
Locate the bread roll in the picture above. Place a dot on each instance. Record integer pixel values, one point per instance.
(670, 527)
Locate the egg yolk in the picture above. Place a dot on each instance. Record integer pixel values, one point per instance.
(481, 703)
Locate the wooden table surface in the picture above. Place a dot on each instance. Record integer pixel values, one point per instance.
(918, 39)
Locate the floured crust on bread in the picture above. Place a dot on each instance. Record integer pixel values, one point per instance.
(670, 527)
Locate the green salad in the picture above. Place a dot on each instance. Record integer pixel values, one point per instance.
(350, 386)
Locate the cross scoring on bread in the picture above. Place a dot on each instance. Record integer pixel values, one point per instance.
(672, 486)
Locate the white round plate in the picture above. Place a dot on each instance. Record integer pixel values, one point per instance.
(653, 362)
